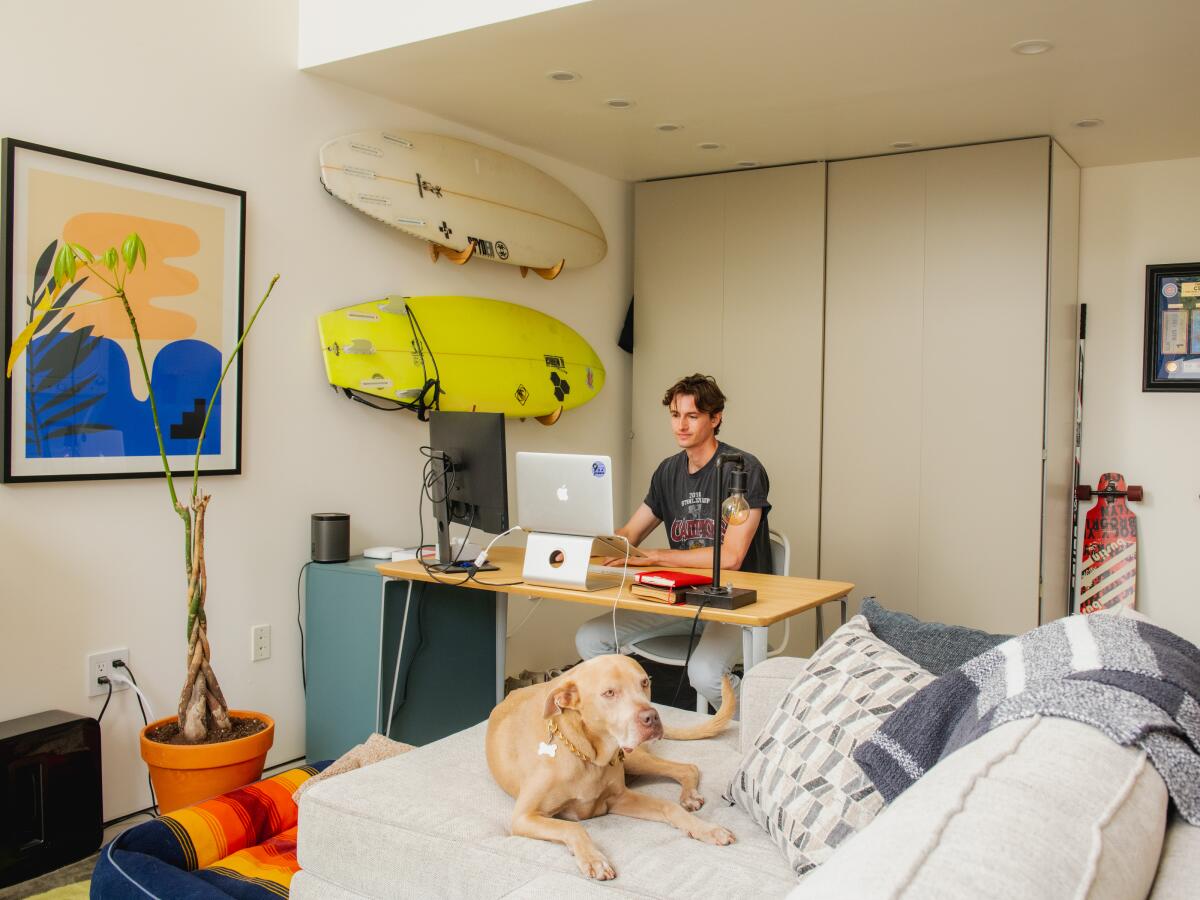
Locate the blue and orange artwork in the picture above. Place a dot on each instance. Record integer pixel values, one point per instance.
(85, 391)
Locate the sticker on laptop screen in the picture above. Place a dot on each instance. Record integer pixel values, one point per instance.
(598, 469)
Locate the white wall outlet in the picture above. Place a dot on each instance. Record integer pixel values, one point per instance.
(260, 643)
(100, 664)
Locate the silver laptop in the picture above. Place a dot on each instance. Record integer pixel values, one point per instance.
(570, 494)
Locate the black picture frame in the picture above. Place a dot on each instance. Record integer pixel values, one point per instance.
(1171, 357)
(215, 216)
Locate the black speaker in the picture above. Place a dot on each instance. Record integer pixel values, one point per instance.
(330, 537)
(51, 811)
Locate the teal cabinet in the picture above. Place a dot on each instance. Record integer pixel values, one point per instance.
(354, 619)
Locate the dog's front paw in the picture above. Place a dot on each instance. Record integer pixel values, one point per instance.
(690, 799)
(713, 834)
(594, 865)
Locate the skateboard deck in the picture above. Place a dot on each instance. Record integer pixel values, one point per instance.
(1108, 575)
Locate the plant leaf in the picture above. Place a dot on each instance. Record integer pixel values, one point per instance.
(83, 252)
(42, 267)
(68, 393)
(110, 259)
(75, 430)
(83, 404)
(57, 306)
(21, 341)
(141, 250)
(129, 250)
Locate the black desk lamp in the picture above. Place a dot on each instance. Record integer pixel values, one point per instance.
(734, 510)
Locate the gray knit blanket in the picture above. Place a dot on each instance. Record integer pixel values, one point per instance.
(1136, 682)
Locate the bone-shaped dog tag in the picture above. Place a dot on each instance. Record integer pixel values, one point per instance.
(547, 749)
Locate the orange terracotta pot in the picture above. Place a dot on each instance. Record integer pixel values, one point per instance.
(184, 774)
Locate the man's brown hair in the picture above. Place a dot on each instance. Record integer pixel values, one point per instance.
(703, 389)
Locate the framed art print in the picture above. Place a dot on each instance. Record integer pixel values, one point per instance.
(1172, 352)
(77, 404)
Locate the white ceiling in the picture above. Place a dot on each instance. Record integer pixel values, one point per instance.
(775, 81)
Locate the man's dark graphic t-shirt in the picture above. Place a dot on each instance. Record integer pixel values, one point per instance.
(684, 502)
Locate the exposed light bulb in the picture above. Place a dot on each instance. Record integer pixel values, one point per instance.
(735, 510)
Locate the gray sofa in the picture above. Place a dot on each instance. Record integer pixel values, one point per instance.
(1040, 808)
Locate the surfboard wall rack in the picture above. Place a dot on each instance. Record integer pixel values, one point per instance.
(458, 257)
(549, 274)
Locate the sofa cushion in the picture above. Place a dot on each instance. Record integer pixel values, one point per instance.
(1040, 808)
(1179, 866)
(935, 647)
(434, 823)
(799, 781)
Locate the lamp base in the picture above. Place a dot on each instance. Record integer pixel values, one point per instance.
(733, 598)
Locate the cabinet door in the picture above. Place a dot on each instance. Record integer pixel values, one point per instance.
(873, 344)
(679, 258)
(772, 354)
(983, 377)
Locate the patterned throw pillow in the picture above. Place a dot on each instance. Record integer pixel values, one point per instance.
(800, 781)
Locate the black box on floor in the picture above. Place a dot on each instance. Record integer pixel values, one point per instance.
(51, 811)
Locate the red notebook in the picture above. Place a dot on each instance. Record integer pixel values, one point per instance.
(665, 586)
(665, 578)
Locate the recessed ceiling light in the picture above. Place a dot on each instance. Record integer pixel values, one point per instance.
(562, 75)
(709, 145)
(1031, 48)
(668, 126)
(903, 145)
(746, 164)
(1088, 123)
(619, 103)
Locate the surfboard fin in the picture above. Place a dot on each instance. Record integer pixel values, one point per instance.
(549, 274)
(550, 418)
(458, 257)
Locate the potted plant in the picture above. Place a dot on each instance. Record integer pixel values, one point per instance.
(207, 748)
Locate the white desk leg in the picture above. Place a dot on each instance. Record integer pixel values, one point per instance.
(501, 642)
(754, 646)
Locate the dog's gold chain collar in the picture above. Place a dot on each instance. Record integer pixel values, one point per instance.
(555, 734)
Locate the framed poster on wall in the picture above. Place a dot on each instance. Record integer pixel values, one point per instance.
(1172, 352)
(77, 405)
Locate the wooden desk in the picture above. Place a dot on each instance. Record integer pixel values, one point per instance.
(779, 597)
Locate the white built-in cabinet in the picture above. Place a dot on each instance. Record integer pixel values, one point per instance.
(896, 336)
(728, 279)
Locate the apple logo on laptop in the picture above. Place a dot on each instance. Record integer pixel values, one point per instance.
(562, 494)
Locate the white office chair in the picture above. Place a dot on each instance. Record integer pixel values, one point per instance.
(671, 649)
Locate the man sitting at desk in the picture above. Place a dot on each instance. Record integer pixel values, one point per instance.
(683, 493)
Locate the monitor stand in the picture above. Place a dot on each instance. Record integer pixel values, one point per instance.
(564, 561)
(445, 558)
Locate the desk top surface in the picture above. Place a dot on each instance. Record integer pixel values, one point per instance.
(779, 596)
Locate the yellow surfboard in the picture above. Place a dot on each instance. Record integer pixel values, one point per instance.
(467, 354)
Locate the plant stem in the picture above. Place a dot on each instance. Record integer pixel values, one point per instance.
(229, 362)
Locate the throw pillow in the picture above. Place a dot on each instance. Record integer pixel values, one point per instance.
(799, 780)
(935, 647)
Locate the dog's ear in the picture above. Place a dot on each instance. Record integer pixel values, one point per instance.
(565, 696)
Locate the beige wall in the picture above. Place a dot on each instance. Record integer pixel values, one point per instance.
(1133, 216)
(92, 566)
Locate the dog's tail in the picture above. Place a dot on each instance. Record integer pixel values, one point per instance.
(713, 726)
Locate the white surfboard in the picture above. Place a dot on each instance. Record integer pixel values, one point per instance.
(464, 198)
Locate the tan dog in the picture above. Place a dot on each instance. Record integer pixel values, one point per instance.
(562, 749)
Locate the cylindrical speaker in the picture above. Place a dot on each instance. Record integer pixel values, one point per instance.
(330, 537)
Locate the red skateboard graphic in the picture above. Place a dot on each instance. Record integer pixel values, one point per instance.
(1108, 576)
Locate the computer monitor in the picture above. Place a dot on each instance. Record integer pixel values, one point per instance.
(470, 469)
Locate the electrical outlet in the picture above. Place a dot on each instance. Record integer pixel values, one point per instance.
(100, 664)
(260, 643)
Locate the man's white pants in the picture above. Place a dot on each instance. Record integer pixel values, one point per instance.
(717, 647)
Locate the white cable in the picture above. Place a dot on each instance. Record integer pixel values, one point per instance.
(620, 589)
(115, 676)
(526, 619)
(399, 656)
(482, 558)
